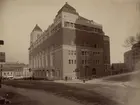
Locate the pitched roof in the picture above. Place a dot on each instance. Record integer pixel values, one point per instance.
(68, 8)
(84, 21)
(37, 28)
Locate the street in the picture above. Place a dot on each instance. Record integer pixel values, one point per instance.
(35, 97)
(79, 93)
(115, 90)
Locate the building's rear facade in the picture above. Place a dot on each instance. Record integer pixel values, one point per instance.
(72, 47)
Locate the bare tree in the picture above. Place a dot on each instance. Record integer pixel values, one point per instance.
(138, 37)
(131, 40)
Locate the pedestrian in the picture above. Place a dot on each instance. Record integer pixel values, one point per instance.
(66, 78)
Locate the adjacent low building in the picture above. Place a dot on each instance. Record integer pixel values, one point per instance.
(118, 68)
(14, 70)
(132, 58)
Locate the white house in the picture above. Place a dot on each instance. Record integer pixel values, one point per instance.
(8, 74)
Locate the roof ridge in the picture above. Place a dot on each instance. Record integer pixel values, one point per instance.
(37, 28)
(68, 8)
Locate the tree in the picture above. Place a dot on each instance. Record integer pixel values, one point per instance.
(131, 40)
(138, 38)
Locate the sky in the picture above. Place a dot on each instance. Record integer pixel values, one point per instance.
(18, 18)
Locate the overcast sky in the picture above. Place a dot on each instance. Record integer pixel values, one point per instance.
(18, 17)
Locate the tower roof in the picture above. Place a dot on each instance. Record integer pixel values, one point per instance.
(37, 28)
(68, 8)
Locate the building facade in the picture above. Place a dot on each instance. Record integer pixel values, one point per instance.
(128, 60)
(71, 47)
(132, 58)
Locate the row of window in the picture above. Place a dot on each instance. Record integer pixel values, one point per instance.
(84, 61)
(40, 74)
(90, 45)
(72, 61)
(71, 52)
(90, 53)
(56, 28)
(9, 73)
(82, 27)
(45, 35)
(90, 61)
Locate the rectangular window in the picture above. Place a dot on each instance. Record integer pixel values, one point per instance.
(93, 53)
(95, 45)
(93, 61)
(69, 61)
(75, 61)
(69, 52)
(82, 61)
(75, 53)
(89, 61)
(85, 52)
(72, 61)
(82, 52)
(97, 62)
(85, 61)
(90, 52)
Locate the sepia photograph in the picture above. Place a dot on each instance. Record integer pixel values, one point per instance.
(69, 52)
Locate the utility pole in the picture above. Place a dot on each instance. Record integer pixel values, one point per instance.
(2, 59)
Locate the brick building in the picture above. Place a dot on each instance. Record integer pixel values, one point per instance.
(72, 47)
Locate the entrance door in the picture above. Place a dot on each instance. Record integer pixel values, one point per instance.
(93, 72)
